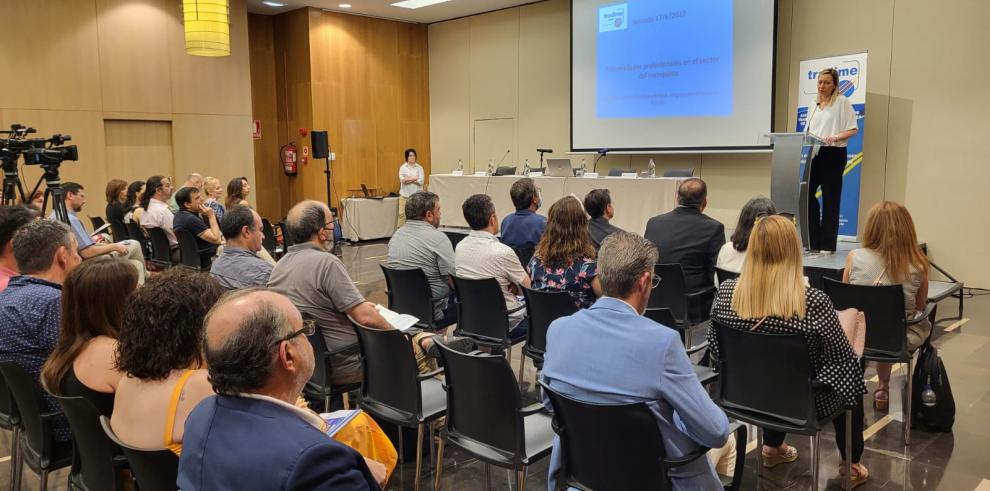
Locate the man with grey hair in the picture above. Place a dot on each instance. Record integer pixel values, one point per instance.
(195, 181)
(31, 311)
(419, 245)
(611, 353)
(252, 435)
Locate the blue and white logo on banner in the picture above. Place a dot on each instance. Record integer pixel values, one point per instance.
(613, 17)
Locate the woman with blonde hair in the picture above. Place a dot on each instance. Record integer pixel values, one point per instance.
(770, 296)
(212, 192)
(564, 259)
(890, 255)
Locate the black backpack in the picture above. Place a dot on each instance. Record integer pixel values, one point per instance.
(930, 374)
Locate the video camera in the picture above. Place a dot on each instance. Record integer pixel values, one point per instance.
(49, 153)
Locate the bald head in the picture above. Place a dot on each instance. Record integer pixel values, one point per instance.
(241, 343)
(693, 193)
(307, 221)
(194, 181)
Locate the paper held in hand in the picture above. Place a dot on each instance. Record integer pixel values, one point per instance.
(338, 419)
(399, 321)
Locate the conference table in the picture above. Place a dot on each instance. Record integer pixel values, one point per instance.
(635, 200)
(369, 218)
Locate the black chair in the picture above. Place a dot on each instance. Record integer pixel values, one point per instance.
(10, 420)
(592, 452)
(286, 239)
(766, 380)
(505, 171)
(483, 317)
(188, 250)
(524, 253)
(154, 470)
(618, 171)
(393, 389)
(704, 373)
(96, 460)
(268, 242)
(136, 232)
(409, 292)
(886, 327)
(723, 274)
(688, 309)
(486, 418)
(37, 445)
(455, 237)
(689, 172)
(97, 222)
(118, 230)
(320, 387)
(542, 308)
(161, 249)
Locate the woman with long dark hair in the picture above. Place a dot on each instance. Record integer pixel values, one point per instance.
(93, 298)
(564, 259)
(238, 190)
(116, 195)
(132, 204)
(733, 253)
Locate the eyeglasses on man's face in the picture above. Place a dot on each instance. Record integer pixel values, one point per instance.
(655, 279)
(308, 328)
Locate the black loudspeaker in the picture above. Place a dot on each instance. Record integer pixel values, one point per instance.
(321, 148)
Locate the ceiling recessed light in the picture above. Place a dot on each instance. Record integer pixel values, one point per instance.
(345, 5)
(273, 4)
(415, 4)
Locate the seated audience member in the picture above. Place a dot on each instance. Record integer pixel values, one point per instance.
(239, 265)
(770, 297)
(82, 364)
(565, 259)
(116, 196)
(689, 238)
(890, 255)
(480, 255)
(598, 204)
(522, 230)
(419, 245)
(611, 353)
(75, 199)
(194, 181)
(160, 353)
(31, 305)
(12, 218)
(252, 435)
(213, 191)
(157, 190)
(237, 192)
(132, 205)
(200, 221)
(732, 255)
(37, 202)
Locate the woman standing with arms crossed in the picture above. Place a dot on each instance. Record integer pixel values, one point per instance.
(411, 180)
(833, 121)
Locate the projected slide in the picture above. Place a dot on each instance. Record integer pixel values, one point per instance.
(664, 58)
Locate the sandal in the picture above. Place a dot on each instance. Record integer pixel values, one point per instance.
(859, 475)
(773, 460)
(881, 399)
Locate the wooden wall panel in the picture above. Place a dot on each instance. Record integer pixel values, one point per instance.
(270, 184)
(133, 33)
(210, 145)
(294, 94)
(136, 150)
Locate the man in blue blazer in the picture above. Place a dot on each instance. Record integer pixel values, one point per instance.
(251, 435)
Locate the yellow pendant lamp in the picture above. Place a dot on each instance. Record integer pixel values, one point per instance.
(207, 25)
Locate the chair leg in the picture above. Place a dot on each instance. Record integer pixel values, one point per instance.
(419, 455)
(849, 446)
(347, 401)
(14, 456)
(44, 481)
(436, 478)
(326, 403)
(907, 405)
(759, 452)
(522, 368)
(522, 478)
(488, 477)
(816, 453)
(402, 454)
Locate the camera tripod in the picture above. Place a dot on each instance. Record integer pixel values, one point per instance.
(11, 182)
(53, 191)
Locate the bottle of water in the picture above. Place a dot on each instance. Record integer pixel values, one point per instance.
(583, 168)
(491, 167)
(526, 168)
(928, 397)
(653, 169)
(460, 165)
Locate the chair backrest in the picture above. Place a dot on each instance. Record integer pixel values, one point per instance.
(155, 470)
(618, 171)
(161, 250)
(409, 293)
(9, 417)
(136, 232)
(724, 274)
(542, 308)
(524, 253)
(268, 242)
(765, 377)
(286, 239)
(26, 392)
(390, 388)
(454, 237)
(592, 453)
(883, 306)
(97, 222)
(483, 403)
(188, 249)
(679, 172)
(322, 372)
(671, 293)
(93, 450)
(481, 311)
(505, 171)
(118, 230)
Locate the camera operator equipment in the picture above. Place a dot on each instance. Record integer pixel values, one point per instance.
(50, 158)
(10, 150)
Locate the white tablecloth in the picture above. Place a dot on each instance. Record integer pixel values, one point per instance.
(635, 200)
(368, 219)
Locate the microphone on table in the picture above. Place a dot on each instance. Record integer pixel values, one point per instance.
(601, 153)
(507, 152)
(543, 151)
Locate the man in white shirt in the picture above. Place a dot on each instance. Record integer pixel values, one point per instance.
(158, 190)
(481, 255)
(411, 179)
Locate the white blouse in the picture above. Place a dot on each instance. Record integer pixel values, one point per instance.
(832, 120)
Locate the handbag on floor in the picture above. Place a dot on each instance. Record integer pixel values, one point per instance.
(932, 403)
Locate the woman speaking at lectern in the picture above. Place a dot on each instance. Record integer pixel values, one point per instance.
(833, 121)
